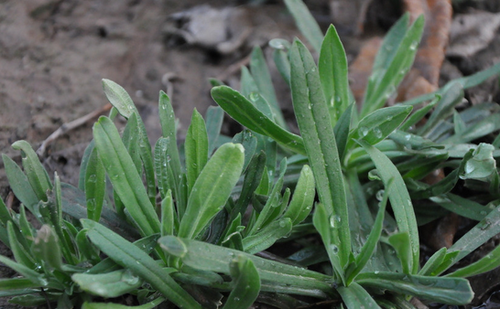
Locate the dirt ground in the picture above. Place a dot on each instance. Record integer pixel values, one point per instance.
(54, 53)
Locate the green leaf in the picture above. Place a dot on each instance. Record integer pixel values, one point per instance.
(46, 247)
(475, 237)
(126, 181)
(253, 176)
(400, 199)
(485, 264)
(83, 165)
(379, 124)
(108, 285)
(341, 129)
(214, 118)
(167, 215)
(246, 283)
(401, 242)
(319, 140)
(482, 164)
(280, 57)
(120, 99)
(19, 184)
(451, 291)
(355, 296)
(151, 305)
(130, 257)
(36, 173)
(393, 67)
(214, 258)
(212, 189)
(21, 255)
(440, 259)
(131, 141)
(267, 236)
(444, 108)
(262, 77)
(462, 206)
(327, 227)
(167, 121)
(95, 186)
(370, 245)
(332, 66)
(195, 149)
(25, 271)
(303, 197)
(243, 111)
(305, 22)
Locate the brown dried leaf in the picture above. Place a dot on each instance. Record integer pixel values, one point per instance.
(360, 69)
(431, 52)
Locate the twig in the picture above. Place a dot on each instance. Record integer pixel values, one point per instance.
(233, 68)
(70, 126)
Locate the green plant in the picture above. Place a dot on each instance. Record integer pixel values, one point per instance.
(192, 226)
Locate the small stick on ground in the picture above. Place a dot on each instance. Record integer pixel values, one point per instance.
(70, 126)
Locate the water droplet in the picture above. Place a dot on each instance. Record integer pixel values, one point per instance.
(378, 132)
(469, 168)
(129, 278)
(254, 96)
(309, 106)
(407, 137)
(334, 249)
(363, 131)
(413, 45)
(380, 195)
(282, 223)
(93, 178)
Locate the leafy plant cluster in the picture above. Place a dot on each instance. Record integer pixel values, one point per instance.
(191, 224)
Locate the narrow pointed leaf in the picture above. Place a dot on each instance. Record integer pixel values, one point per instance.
(243, 111)
(108, 285)
(36, 173)
(399, 197)
(332, 66)
(212, 189)
(319, 140)
(355, 296)
(195, 149)
(124, 177)
(246, 283)
(140, 263)
(452, 291)
(303, 197)
(305, 22)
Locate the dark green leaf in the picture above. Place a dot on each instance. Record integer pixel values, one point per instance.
(195, 149)
(305, 22)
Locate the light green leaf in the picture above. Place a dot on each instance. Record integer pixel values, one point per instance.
(214, 118)
(262, 78)
(151, 305)
(305, 22)
(108, 285)
(212, 189)
(195, 149)
(376, 126)
(319, 140)
(451, 291)
(20, 185)
(139, 263)
(401, 242)
(303, 197)
(246, 283)
(95, 186)
(127, 183)
(355, 296)
(332, 66)
(400, 199)
(393, 68)
(243, 111)
(36, 173)
(267, 236)
(204, 256)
